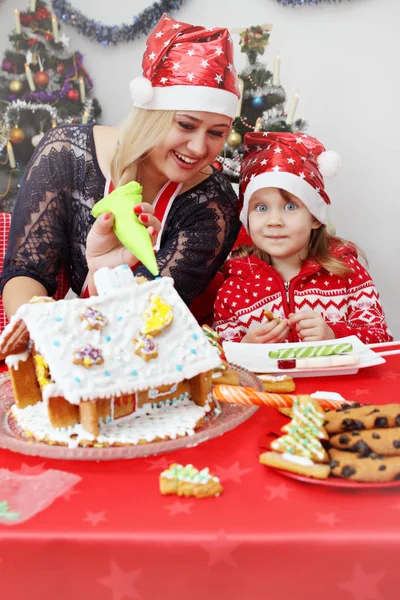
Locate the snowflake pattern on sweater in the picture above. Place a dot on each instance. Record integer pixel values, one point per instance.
(350, 305)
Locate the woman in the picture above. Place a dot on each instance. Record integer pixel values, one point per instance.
(167, 145)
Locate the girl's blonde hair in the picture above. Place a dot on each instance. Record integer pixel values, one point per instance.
(320, 249)
(142, 131)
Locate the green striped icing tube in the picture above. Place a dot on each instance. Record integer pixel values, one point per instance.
(307, 351)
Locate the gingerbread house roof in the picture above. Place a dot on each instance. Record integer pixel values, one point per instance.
(61, 330)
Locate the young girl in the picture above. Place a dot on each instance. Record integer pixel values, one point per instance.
(183, 109)
(309, 280)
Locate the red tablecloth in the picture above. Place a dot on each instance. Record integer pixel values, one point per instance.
(114, 537)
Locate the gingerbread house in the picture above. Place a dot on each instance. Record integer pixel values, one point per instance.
(95, 360)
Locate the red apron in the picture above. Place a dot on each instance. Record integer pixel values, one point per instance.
(201, 307)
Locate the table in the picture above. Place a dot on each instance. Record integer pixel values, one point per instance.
(114, 537)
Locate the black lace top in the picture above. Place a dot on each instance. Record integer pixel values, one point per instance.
(52, 218)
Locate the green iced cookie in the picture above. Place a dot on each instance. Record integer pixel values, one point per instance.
(127, 227)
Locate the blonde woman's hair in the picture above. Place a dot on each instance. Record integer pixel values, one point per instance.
(142, 131)
(319, 250)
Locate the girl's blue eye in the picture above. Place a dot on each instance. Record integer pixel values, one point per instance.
(290, 206)
(261, 208)
(187, 126)
(216, 133)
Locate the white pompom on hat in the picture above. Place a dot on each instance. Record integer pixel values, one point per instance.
(141, 90)
(329, 163)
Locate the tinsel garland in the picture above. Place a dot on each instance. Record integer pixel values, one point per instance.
(294, 3)
(142, 24)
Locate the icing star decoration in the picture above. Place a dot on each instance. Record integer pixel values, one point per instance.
(130, 232)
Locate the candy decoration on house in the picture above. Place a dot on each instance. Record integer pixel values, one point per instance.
(262, 106)
(107, 35)
(42, 83)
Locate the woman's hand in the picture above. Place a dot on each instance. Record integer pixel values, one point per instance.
(103, 248)
(310, 326)
(268, 333)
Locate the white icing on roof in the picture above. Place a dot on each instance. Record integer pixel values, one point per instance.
(57, 331)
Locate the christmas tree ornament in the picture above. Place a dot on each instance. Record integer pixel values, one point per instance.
(36, 138)
(41, 79)
(6, 65)
(234, 139)
(127, 227)
(33, 96)
(17, 135)
(257, 102)
(73, 95)
(16, 86)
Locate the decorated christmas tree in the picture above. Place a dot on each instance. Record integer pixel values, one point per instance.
(262, 105)
(42, 83)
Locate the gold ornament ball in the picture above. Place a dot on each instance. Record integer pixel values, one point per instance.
(234, 140)
(17, 135)
(16, 86)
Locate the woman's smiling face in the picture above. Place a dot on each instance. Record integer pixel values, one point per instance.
(193, 142)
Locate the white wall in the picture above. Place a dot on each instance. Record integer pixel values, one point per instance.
(345, 61)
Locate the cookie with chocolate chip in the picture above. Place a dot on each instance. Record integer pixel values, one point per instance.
(358, 467)
(381, 441)
(368, 416)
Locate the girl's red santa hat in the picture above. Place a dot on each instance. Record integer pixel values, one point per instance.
(294, 162)
(187, 67)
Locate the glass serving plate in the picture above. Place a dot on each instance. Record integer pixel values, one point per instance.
(229, 417)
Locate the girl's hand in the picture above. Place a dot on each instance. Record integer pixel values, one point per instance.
(103, 248)
(268, 333)
(310, 326)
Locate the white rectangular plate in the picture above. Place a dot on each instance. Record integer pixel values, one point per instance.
(254, 357)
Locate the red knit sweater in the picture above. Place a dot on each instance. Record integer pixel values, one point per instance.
(350, 306)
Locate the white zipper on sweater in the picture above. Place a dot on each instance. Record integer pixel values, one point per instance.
(287, 286)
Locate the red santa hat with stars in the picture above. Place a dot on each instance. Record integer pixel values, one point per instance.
(187, 67)
(294, 162)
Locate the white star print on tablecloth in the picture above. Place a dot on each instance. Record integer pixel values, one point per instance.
(363, 584)
(28, 470)
(179, 507)
(94, 518)
(160, 463)
(220, 549)
(121, 583)
(233, 473)
(280, 491)
(328, 519)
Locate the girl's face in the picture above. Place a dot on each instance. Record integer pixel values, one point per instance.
(193, 142)
(280, 226)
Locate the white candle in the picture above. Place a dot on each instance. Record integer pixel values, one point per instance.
(10, 154)
(17, 21)
(33, 6)
(82, 90)
(258, 124)
(276, 79)
(292, 109)
(29, 78)
(239, 106)
(85, 116)
(54, 25)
